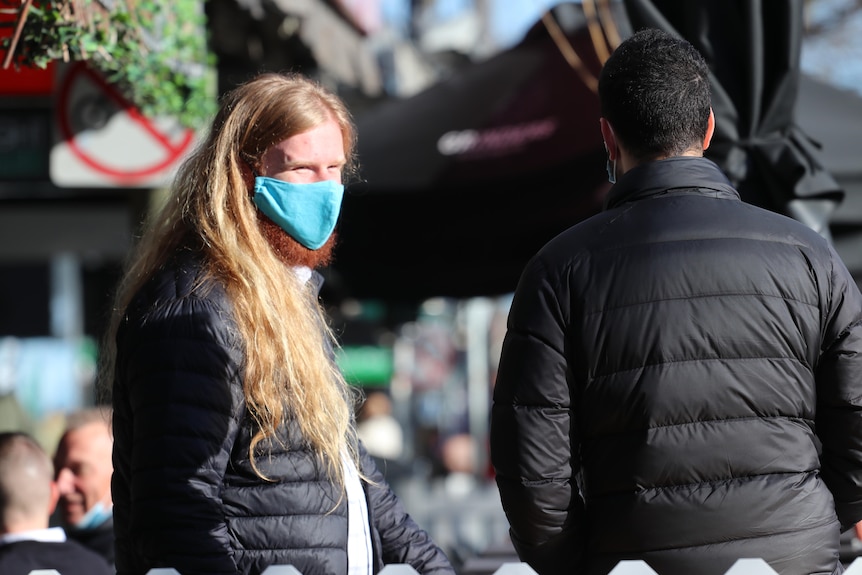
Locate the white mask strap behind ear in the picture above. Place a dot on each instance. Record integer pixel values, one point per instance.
(611, 167)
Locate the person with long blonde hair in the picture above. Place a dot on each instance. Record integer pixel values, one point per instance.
(234, 444)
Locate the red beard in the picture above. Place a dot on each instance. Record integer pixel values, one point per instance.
(290, 251)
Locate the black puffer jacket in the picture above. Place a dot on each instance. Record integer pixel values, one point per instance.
(185, 495)
(692, 364)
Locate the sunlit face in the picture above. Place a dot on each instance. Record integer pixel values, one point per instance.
(83, 468)
(311, 156)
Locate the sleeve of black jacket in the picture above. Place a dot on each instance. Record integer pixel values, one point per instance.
(401, 539)
(534, 439)
(839, 394)
(174, 426)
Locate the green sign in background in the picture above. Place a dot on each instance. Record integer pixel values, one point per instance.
(366, 365)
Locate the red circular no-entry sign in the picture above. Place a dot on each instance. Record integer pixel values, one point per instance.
(112, 141)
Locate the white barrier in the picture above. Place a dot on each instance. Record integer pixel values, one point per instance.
(632, 568)
(515, 569)
(741, 567)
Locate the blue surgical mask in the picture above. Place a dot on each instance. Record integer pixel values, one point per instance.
(97, 515)
(308, 212)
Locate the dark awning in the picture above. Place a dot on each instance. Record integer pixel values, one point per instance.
(467, 180)
(753, 48)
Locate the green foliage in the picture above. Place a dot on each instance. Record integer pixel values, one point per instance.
(154, 51)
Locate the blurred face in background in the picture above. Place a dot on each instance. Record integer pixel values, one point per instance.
(83, 467)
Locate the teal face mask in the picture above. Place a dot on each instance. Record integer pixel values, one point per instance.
(308, 212)
(97, 515)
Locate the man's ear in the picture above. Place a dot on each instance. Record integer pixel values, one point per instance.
(710, 129)
(610, 140)
(55, 496)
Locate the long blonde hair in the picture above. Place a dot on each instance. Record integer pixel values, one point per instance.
(288, 372)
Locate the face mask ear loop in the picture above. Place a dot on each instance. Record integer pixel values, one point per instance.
(611, 167)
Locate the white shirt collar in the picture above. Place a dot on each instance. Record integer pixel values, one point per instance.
(303, 273)
(49, 535)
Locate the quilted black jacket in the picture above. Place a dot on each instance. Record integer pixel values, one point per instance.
(185, 495)
(681, 383)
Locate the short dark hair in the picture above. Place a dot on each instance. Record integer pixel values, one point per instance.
(654, 91)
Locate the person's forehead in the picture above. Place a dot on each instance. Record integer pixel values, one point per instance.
(89, 438)
(324, 141)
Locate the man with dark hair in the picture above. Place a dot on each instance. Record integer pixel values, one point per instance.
(681, 380)
(27, 499)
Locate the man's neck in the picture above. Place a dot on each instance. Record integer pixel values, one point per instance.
(22, 526)
(628, 162)
(45, 534)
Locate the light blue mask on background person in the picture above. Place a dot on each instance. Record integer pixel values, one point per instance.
(308, 212)
(97, 515)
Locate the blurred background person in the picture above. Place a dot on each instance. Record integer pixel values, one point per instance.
(83, 466)
(458, 456)
(28, 496)
(378, 429)
(383, 437)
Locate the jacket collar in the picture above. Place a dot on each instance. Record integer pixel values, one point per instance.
(685, 173)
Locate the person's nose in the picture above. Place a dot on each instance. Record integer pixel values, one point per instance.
(65, 481)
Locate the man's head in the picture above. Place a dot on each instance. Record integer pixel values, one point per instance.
(655, 98)
(27, 491)
(84, 468)
(257, 127)
(274, 107)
